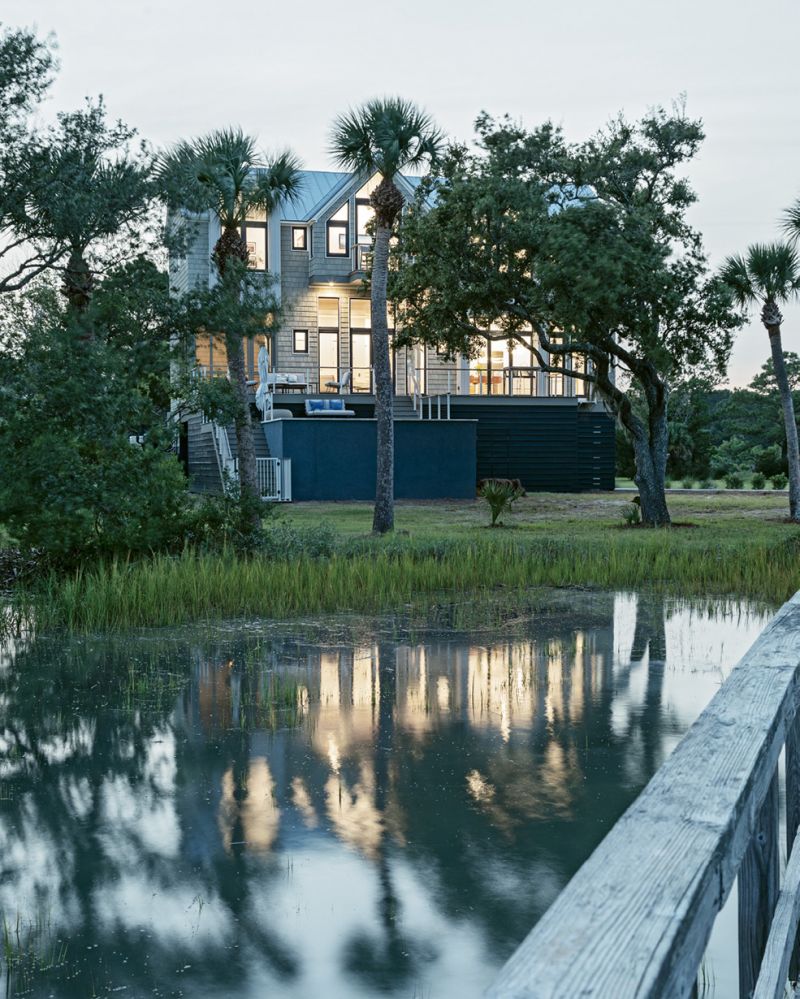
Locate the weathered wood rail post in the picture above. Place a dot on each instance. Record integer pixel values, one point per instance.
(636, 918)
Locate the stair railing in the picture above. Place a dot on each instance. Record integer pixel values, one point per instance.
(228, 465)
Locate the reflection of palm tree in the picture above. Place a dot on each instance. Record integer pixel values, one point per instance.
(386, 963)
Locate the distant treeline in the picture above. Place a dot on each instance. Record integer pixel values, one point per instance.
(714, 432)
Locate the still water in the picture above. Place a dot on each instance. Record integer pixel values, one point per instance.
(336, 810)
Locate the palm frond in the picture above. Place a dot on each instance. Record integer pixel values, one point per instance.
(277, 180)
(224, 171)
(385, 135)
(774, 269)
(735, 276)
(791, 221)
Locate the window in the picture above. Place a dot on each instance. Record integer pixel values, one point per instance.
(210, 355)
(299, 237)
(301, 341)
(328, 324)
(256, 238)
(338, 232)
(365, 213)
(361, 344)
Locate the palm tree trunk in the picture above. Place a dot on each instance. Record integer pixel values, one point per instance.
(77, 284)
(243, 424)
(787, 404)
(383, 517)
(230, 246)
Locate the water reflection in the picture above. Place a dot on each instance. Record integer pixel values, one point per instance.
(255, 811)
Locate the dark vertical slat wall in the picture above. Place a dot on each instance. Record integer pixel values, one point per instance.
(549, 448)
(596, 451)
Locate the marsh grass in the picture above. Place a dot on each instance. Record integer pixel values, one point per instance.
(365, 576)
(29, 949)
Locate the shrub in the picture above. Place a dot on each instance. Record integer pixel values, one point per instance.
(779, 481)
(688, 483)
(734, 480)
(219, 522)
(732, 456)
(668, 483)
(707, 484)
(632, 514)
(500, 494)
(769, 460)
(759, 480)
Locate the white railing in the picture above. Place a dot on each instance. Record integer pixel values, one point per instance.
(435, 402)
(411, 372)
(274, 479)
(227, 463)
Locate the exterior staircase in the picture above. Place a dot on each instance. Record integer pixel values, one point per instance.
(403, 406)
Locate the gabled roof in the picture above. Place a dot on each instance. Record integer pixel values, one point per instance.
(319, 189)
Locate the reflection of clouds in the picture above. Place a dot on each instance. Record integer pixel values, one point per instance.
(143, 815)
(76, 793)
(179, 915)
(36, 873)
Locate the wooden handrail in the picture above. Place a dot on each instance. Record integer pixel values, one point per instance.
(636, 918)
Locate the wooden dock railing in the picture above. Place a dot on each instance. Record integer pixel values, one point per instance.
(636, 918)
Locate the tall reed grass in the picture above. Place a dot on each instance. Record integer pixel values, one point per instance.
(367, 576)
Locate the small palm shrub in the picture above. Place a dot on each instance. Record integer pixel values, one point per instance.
(779, 481)
(688, 483)
(632, 513)
(500, 494)
(668, 483)
(734, 480)
(759, 480)
(707, 484)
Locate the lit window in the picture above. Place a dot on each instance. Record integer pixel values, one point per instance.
(301, 341)
(299, 237)
(328, 311)
(338, 232)
(256, 239)
(365, 213)
(360, 314)
(256, 215)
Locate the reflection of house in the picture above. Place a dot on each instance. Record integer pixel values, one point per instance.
(538, 427)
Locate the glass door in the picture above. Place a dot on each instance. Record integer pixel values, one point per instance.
(361, 361)
(328, 360)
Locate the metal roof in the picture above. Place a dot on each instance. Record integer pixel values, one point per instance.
(318, 187)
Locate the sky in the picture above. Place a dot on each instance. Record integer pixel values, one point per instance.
(283, 71)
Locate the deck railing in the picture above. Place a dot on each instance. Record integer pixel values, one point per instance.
(274, 479)
(636, 918)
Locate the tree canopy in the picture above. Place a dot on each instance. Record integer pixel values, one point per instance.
(586, 246)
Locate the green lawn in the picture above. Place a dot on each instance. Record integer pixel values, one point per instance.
(555, 514)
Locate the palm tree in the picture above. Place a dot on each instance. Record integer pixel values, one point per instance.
(224, 172)
(91, 201)
(384, 136)
(770, 275)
